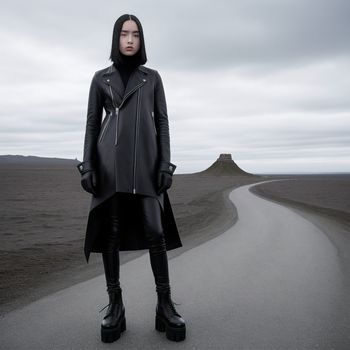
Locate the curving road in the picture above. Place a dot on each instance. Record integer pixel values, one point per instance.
(272, 281)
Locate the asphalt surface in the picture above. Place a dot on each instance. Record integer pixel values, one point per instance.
(272, 281)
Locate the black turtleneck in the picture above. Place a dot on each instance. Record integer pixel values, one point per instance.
(126, 68)
(125, 72)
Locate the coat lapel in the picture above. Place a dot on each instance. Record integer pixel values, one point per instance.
(112, 77)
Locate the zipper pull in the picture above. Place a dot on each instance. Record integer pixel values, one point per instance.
(154, 123)
(116, 126)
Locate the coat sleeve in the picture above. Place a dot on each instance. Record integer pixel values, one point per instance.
(161, 118)
(93, 125)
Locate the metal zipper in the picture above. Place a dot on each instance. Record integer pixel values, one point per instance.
(110, 89)
(131, 91)
(136, 126)
(116, 125)
(127, 95)
(136, 137)
(117, 115)
(105, 126)
(154, 123)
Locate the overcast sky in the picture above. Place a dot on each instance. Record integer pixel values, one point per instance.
(267, 81)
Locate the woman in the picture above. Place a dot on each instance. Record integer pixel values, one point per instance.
(127, 170)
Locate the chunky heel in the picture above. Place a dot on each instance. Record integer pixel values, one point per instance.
(160, 326)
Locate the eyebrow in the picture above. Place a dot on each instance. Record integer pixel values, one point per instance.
(127, 31)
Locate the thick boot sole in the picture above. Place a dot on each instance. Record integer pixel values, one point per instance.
(172, 333)
(109, 335)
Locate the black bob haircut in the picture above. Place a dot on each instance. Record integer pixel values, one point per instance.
(116, 56)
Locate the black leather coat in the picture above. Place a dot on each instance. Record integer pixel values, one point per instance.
(127, 149)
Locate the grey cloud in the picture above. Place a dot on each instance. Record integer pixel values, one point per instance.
(264, 80)
(191, 36)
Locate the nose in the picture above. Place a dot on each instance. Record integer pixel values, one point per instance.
(130, 38)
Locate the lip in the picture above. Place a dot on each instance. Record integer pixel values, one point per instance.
(129, 48)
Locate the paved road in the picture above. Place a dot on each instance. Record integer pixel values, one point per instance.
(272, 281)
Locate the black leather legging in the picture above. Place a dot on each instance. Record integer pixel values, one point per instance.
(151, 219)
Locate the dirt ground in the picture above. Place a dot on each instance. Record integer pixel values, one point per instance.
(323, 194)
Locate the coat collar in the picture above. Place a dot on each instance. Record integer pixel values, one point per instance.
(112, 77)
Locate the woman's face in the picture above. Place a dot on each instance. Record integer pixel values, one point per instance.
(129, 41)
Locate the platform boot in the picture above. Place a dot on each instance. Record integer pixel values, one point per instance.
(113, 323)
(167, 319)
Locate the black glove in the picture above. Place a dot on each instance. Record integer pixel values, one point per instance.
(88, 177)
(165, 181)
(165, 176)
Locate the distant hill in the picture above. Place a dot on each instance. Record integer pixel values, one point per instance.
(19, 160)
(225, 165)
